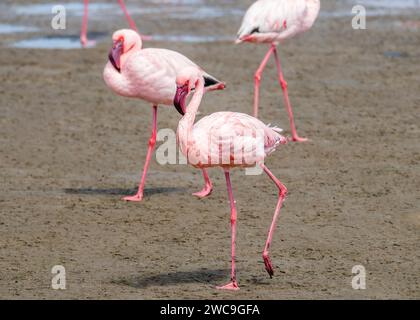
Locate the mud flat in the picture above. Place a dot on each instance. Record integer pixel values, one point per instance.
(70, 148)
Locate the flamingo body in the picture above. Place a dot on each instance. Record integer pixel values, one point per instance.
(268, 21)
(230, 139)
(272, 21)
(215, 138)
(150, 75)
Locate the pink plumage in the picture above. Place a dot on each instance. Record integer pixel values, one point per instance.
(226, 140)
(240, 138)
(268, 21)
(150, 75)
(273, 21)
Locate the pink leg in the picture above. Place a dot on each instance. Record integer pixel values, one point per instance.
(282, 196)
(232, 285)
(152, 141)
(83, 33)
(283, 84)
(130, 20)
(257, 78)
(208, 187)
(127, 15)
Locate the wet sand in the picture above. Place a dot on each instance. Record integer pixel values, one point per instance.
(70, 148)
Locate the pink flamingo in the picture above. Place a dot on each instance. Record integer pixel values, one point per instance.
(273, 21)
(216, 137)
(83, 34)
(149, 74)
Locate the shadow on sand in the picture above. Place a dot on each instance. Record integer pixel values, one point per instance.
(123, 192)
(173, 278)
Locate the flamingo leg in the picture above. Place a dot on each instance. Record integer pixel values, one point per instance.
(83, 32)
(233, 284)
(131, 21)
(283, 85)
(208, 186)
(257, 78)
(152, 141)
(127, 15)
(282, 196)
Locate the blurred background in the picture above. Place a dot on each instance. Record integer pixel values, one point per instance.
(27, 24)
(70, 149)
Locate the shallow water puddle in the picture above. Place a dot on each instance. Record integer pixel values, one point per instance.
(189, 38)
(374, 8)
(177, 2)
(193, 9)
(96, 10)
(395, 54)
(56, 42)
(391, 4)
(49, 43)
(205, 12)
(10, 28)
(175, 9)
(73, 42)
(72, 8)
(198, 9)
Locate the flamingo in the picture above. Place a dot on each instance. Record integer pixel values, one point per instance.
(149, 74)
(215, 137)
(83, 33)
(273, 21)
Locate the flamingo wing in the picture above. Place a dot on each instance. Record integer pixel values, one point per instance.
(152, 75)
(177, 62)
(235, 138)
(272, 20)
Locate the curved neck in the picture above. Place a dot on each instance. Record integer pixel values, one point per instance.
(186, 123)
(137, 46)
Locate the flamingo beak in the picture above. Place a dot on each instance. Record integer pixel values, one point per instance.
(115, 54)
(181, 98)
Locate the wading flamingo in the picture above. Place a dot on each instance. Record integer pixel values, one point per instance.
(149, 74)
(83, 33)
(212, 142)
(273, 21)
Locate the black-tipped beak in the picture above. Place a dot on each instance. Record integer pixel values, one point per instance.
(115, 54)
(181, 98)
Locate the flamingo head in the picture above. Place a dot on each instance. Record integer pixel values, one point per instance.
(124, 40)
(186, 82)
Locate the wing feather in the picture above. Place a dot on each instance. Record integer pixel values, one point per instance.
(232, 136)
(272, 18)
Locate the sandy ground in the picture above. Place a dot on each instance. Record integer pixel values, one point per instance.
(70, 148)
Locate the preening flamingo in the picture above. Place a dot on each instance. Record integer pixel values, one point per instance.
(149, 74)
(83, 33)
(273, 21)
(226, 140)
